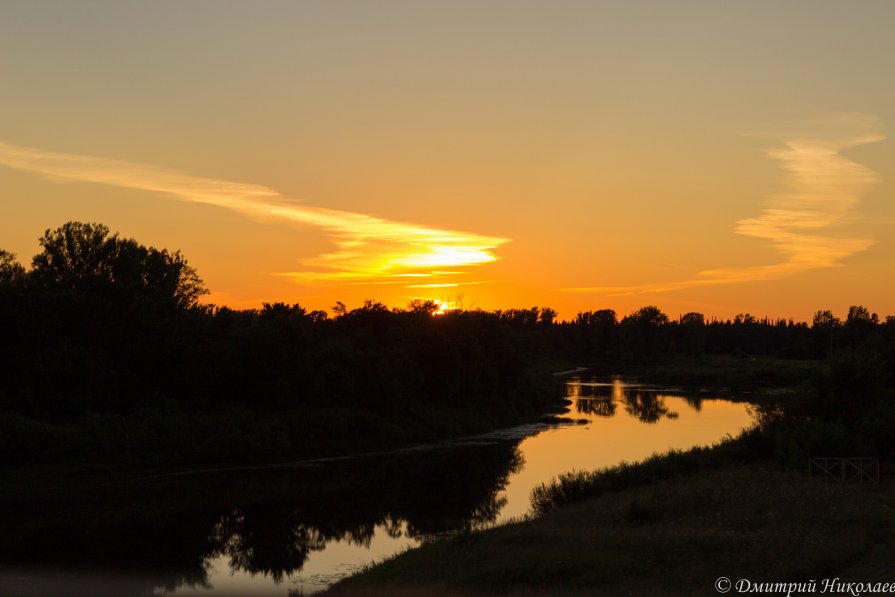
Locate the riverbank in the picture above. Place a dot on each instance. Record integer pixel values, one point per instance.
(40, 482)
(168, 436)
(669, 537)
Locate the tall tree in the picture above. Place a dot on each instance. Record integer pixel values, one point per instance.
(87, 257)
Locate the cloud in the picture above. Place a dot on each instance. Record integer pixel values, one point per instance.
(368, 248)
(822, 188)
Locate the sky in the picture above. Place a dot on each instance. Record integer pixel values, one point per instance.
(716, 157)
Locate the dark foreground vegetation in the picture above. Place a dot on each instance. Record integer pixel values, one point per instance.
(108, 356)
(744, 508)
(667, 537)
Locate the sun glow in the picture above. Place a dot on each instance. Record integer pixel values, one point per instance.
(447, 255)
(369, 249)
(444, 306)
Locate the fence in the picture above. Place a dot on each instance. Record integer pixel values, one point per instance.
(844, 470)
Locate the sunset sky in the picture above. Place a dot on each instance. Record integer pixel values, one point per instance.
(712, 156)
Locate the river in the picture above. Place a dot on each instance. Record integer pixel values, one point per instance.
(297, 528)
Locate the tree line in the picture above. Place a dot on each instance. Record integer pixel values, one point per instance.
(649, 331)
(101, 325)
(104, 342)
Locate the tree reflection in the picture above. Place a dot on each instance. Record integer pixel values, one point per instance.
(694, 402)
(603, 407)
(263, 522)
(267, 541)
(648, 407)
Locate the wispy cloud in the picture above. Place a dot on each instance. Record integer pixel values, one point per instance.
(368, 248)
(803, 222)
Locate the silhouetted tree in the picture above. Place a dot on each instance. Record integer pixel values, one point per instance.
(642, 328)
(825, 319)
(547, 316)
(602, 317)
(282, 311)
(12, 274)
(826, 327)
(693, 331)
(693, 320)
(649, 316)
(596, 332)
(521, 317)
(86, 257)
(859, 315)
(859, 324)
(422, 307)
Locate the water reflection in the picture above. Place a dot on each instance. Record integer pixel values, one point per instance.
(646, 403)
(266, 523)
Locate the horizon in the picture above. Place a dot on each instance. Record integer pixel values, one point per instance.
(574, 156)
(444, 305)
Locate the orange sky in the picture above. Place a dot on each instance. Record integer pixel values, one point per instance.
(581, 155)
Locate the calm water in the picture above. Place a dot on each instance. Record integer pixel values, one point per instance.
(299, 528)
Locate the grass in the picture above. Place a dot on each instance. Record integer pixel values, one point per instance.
(577, 486)
(670, 537)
